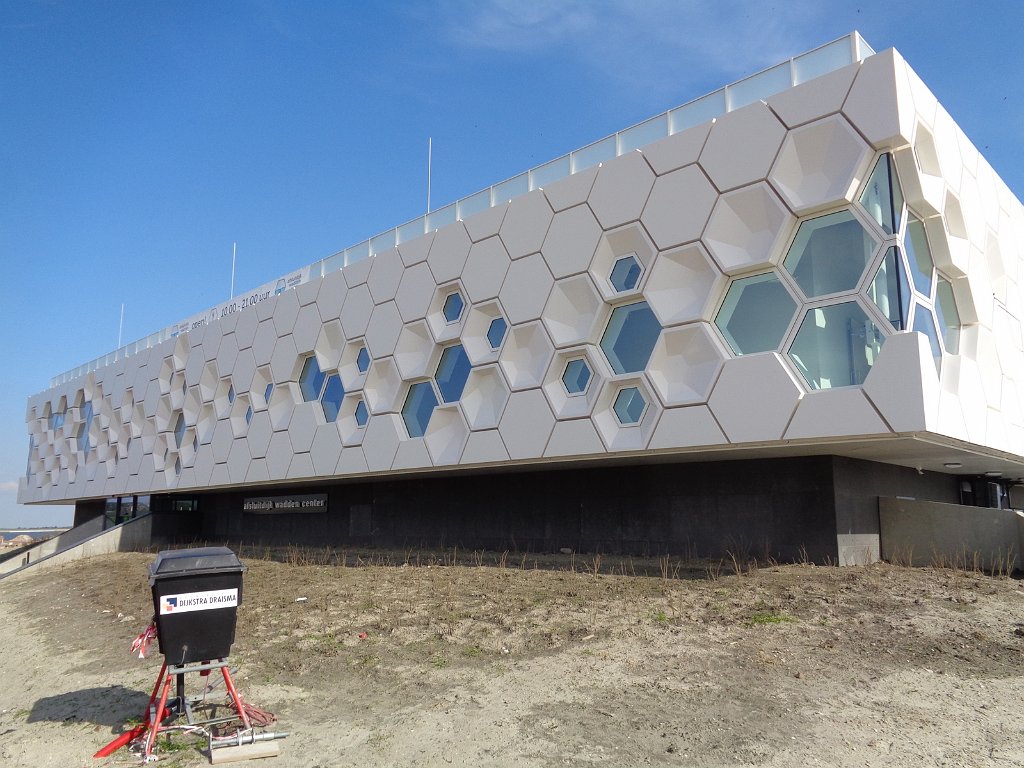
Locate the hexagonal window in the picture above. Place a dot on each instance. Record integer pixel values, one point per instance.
(362, 360)
(919, 255)
(177, 466)
(362, 414)
(268, 392)
(755, 314)
(576, 376)
(311, 379)
(248, 415)
(334, 391)
(83, 433)
(629, 406)
(924, 323)
(836, 346)
(630, 337)
(419, 405)
(496, 332)
(948, 315)
(453, 306)
(452, 372)
(882, 197)
(231, 394)
(179, 430)
(890, 289)
(625, 273)
(829, 254)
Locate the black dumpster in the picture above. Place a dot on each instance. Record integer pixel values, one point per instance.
(196, 594)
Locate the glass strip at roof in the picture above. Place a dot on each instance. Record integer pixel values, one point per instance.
(807, 66)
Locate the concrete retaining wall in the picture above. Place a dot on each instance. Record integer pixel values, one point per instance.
(931, 533)
(86, 540)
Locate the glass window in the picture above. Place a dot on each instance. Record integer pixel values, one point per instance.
(419, 405)
(625, 273)
(362, 360)
(231, 394)
(948, 315)
(362, 415)
(268, 392)
(311, 379)
(890, 289)
(829, 254)
(452, 372)
(179, 430)
(576, 376)
(496, 332)
(177, 466)
(630, 337)
(924, 323)
(755, 314)
(882, 198)
(836, 346)
(452, 309)
(83, 434)
(919, 255)
(629, 406)
(334, 391)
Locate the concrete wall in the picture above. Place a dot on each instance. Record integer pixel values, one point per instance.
(930, 533)
(127, 537)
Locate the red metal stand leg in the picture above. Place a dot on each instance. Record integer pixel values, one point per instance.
(236, 698)
(158, 717)
(129, 736)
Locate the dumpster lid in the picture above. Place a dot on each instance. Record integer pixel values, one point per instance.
(197, 560)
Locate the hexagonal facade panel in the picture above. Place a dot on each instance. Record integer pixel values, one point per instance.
(485, 270)
(574, 311)
(526, 289)
(628, 242)
(571, 240)
(621, 190)
(820, 165)
(525, 224)
(679, 207)
(747, 229)
(742, 146)
(685, 364)
(684, 285)
(526, 355)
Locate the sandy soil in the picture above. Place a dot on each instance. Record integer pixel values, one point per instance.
(511, 661)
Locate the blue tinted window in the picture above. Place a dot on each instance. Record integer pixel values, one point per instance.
(882, 197)
(179, 430)
(496, 332)
(231, 394)
(419, 405)
(453, 305)
(576, 376)
(331, 400)
(625, 274)
(362, 415)
(755, 314)
(629, 406)
(268, 392)
(248, 415)
(83, 435)
(836, 346)
(452, 372)
(829, 254)
(311, 379)
(630, 337)
(363, 360)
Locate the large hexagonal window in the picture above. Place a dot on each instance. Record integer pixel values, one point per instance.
(948, 315)
(452, 372)
(924, 323)
(630, 337)
(576, 376)
(919, 255)
(83, 429)
(629, 406)
(418, 407)
(755, 314)
(829, 254)
(331, 399)
(882, 197)
(836, 346)
(890, 289)
(311, 380)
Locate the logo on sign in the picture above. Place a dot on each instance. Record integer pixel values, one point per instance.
(199, 601)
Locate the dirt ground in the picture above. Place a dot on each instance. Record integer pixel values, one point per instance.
(414, 660)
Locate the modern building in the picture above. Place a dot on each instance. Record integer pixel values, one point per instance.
(738, 326)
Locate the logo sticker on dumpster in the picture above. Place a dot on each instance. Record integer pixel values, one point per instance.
(198, 601)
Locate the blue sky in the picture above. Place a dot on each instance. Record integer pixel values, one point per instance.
(139, 140)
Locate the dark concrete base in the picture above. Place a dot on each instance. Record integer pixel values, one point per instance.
(785, 509)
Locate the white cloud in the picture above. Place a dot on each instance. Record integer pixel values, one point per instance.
(662, 45)
(9, 486)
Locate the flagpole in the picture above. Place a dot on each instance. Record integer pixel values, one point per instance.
(430, 157)
(234, 248)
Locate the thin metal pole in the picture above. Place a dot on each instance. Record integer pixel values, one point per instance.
(120, 326)
(234, 248)
(430, 157)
